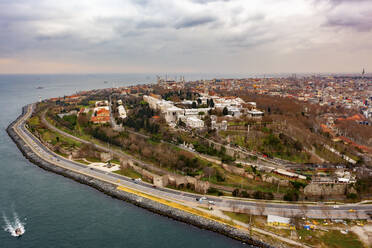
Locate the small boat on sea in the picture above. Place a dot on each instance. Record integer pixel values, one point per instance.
(18, 232)
(40, 87)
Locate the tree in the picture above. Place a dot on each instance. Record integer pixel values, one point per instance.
(248, 211)
(235, 193)
(303, 209)
(260, 207)
(258, 195)
(199, 101)
(245, 194)
(291, 196)
(83, 120)
(225, 111)
(193, 105)
(208, 121)
(209, 172)
(211, 103)
(181, 123)
(326, 211)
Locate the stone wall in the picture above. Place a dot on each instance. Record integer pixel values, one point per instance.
(157, 180)
(177, 181)
(237, 171)
(322, 189)
(274, 180)
(106, 156)
(188, 182)
(229, 151)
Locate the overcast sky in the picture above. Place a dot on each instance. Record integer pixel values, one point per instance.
(159, 36)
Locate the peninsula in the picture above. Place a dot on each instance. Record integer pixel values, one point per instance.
(282, 162)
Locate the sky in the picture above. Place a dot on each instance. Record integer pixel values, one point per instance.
(185, 36)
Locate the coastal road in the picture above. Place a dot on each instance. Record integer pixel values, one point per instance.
(346, 211)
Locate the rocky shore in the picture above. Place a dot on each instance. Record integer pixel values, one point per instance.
(110, 189)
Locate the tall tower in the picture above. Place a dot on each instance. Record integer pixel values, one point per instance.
(158, 79)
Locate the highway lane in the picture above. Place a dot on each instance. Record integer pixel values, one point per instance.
(273, 208)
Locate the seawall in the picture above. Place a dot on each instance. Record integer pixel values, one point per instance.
(111, 189)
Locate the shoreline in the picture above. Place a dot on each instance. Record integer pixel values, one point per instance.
(111, 190)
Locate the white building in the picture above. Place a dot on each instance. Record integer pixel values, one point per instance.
(254, 113)
(254, 104)
(122, 112)
(101, 103)
(234, 111)
(172, 114)
(219, 126)
(274, 219)
(194, 122)
(196, 111)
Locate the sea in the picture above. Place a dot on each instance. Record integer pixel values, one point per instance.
(57, 212)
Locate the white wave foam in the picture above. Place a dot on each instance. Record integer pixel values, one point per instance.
(12, 226)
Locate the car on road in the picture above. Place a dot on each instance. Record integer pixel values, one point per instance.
(335, 206)
(351, 210)
(203, 198)
(138, 180)
(211, 202)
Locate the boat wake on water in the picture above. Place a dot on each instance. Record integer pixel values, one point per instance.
(15, 227)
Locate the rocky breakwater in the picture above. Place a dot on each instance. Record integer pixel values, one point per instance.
(111, 189)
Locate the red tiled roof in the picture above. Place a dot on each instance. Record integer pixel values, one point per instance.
(103, 112)
(100, 119)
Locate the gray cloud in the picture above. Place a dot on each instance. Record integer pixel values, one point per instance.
(336, 2)
(174, 35)
(356, 15)
(362, 23)
(188, 22)
(151, 24)
(208, 1)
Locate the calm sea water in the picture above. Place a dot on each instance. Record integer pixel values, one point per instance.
(59, 212)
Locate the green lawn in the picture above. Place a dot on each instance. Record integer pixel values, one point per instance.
(335, 239)
(114, 161)
(308, 236)
(128, 173)
(81, 161)
(94, 160)
(184, 189)
(34, 121)
(238, 216)
(329, 156)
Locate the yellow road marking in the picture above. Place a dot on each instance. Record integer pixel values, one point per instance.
(181, 207)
